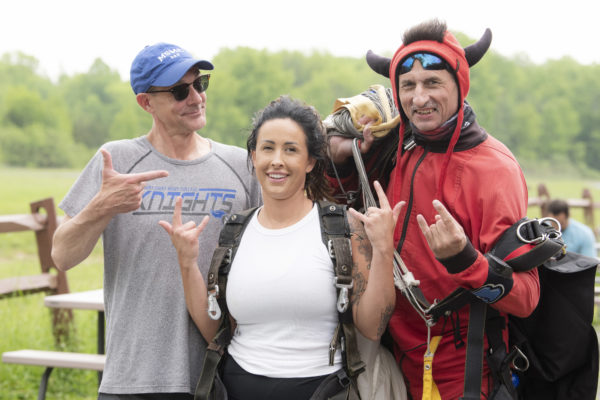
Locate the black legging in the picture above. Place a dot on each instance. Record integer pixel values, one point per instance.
(242, 385)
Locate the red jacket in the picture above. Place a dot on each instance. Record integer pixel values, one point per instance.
(485, 191)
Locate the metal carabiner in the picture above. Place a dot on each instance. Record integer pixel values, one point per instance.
(554, 234)
(519, 355)
(214, 311)
(343, 300)
(530, 241)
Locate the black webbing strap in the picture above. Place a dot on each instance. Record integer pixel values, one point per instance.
(453, 302)
(524, 246)
(528, 244)
(220, 256)
(216, 284)
(499, 361)
(335, 233)
(474, 358)
(205, 384)
(212, 359)
(354, 365)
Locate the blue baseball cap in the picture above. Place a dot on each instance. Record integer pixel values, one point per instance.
(162, 64)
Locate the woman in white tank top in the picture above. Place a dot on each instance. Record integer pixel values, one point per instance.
(280, 290)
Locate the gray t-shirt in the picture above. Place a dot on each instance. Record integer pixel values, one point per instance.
(152, 344)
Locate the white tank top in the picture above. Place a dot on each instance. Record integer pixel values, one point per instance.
(281, 293)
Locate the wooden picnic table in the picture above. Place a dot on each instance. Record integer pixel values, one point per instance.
(87, 300)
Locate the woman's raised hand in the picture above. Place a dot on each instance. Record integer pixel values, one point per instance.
(380, 221)
(184, 236)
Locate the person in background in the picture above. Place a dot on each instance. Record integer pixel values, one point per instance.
(578, 237)
(153, 348)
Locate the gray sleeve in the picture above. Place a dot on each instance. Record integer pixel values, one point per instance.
(85, 187)
(237, 161)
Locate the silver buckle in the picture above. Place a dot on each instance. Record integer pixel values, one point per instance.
(554, 235)
(521, 356)
(343, 300)
(214, 311)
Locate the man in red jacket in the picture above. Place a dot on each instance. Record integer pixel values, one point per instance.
(462, 189)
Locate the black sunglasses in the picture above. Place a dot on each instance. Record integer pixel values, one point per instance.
(181, 92)
(428, 61)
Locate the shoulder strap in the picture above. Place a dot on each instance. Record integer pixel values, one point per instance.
(229, 241)
(524, 246)
(335, 232)
(216, 285)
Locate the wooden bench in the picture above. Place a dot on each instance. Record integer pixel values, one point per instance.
(43, 221)
(54, 359)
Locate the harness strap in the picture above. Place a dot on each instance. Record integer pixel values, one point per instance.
(497, 358)
(335, 233)
(216, 285)
(529, 243)
(205, 384)
(212, 359)
(354, 365)
(430, 389)
(474, 358)
(454, 301)
(524, 246)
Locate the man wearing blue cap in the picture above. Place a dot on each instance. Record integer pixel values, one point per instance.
(153, 348)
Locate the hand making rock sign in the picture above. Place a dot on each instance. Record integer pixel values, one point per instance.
(445, 236)
(184, 237)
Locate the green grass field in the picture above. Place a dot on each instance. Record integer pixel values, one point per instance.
(25, 322)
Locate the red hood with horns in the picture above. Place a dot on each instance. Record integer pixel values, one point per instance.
(459, 59)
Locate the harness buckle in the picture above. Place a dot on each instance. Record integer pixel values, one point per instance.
(343, 300)
(554, 234)
(214, 311)
(518, 355)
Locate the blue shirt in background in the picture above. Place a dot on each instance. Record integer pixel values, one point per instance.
(579, 238)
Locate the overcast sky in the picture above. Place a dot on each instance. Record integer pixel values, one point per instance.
(67, 35)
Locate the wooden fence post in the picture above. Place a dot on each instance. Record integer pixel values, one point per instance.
(544, 197)
(61, 318)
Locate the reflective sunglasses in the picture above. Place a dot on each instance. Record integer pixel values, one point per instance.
(181, 92)
(427, 60)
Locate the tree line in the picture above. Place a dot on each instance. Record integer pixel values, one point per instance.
(547, 114)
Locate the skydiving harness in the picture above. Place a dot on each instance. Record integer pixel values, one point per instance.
(524, 246)
(335, 233)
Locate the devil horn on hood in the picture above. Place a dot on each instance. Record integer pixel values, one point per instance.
(474, 52)
(379, 64)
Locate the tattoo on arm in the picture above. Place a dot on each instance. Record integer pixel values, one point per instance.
(360, 285)
(364, 245)
(385, 318)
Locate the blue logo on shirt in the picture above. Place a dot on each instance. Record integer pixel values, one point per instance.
(211, 201)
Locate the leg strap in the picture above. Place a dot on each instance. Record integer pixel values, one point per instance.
(474, 361)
